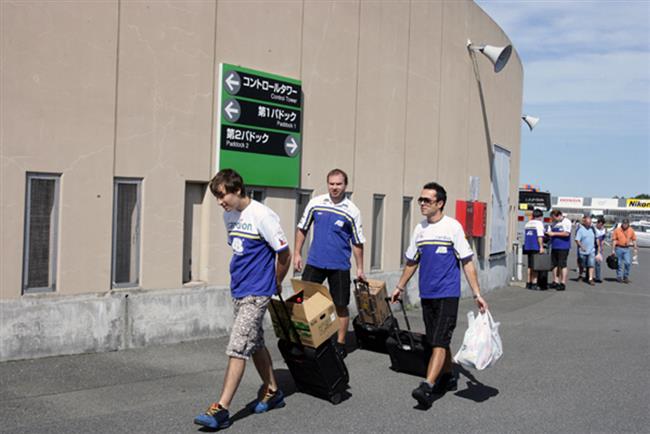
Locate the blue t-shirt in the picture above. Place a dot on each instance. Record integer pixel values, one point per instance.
(533, 231)
(335, 227)
(564, 242)
(255, 236)
(587, 238)
(438, 247)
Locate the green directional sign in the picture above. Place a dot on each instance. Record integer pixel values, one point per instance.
(259, 126)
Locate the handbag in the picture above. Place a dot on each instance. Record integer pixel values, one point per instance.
(612, 262)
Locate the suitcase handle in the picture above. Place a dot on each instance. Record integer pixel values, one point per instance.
(406, 318)
(408, 325)
(291, 326)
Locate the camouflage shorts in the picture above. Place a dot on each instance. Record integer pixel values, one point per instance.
(247, 334)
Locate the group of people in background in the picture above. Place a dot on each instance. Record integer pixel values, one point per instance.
(589, 239)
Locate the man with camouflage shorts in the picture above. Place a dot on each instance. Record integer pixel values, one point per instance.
(256, 238)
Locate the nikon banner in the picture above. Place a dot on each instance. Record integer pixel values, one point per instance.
(638, 203)
(259, 126)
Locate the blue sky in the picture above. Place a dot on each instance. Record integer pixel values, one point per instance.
(587, 77)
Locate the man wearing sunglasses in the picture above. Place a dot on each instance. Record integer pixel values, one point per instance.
(438, 245)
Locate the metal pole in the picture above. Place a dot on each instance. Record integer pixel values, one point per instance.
(519, 254)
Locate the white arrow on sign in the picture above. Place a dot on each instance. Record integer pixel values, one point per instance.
(292, 145)
(231, 110)
(231, 82)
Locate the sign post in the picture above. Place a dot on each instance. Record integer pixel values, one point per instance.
(259, 126)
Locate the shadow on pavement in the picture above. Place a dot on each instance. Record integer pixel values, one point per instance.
(476, 391)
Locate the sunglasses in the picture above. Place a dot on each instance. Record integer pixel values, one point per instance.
(424, 201)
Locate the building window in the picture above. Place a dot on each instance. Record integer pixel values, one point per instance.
(256, 193)
(41, 228)
(302, 199)
(406, 227)
(194, 194)
(126, 232)
(377, 231)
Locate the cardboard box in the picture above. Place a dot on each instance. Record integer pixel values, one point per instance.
(314, 318)
(371, 304)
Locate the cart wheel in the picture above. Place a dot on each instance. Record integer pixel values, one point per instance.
(336, 398)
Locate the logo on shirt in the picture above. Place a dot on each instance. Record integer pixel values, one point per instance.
(237, 246)
(241, 226)
(339, 223)
(441, 250)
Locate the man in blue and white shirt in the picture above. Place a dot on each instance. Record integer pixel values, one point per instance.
(533, 245)
(439, 247)
(337, 233)
(256, 239)
(560, 235)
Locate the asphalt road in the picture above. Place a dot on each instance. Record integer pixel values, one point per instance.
(574, 361)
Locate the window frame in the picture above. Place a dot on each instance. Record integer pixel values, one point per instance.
(251, 190)
(54, 232)
(380, 233)
(136, 256)
(307, 244)
(406, 228)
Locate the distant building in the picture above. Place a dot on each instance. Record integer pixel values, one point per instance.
(611, 209)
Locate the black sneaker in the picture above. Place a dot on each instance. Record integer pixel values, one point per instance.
(553, 285)
(535, 287)
(447, 382)
(423, 394)
(529, 285)
(560, 287)
(340, 349)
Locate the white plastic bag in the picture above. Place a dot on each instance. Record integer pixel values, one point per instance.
(482, 345)
(497, 345)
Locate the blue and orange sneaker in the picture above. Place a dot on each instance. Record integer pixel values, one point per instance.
(270, 401)
(215, 417)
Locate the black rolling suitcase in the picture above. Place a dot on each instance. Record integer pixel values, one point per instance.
(409, 351)
(542, 264)
(316, 371)
(542, 279)
(371, 337)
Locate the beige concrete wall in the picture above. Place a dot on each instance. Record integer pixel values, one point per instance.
(164, 120)
(381, 115)
(389, 96)
(58, 108)
(329, 83)
(502, 104)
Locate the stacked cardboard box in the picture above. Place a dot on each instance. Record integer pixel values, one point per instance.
(312, 313)
(371, 301)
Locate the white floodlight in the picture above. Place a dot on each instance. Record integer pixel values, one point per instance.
(498, 55)
(531, 121)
